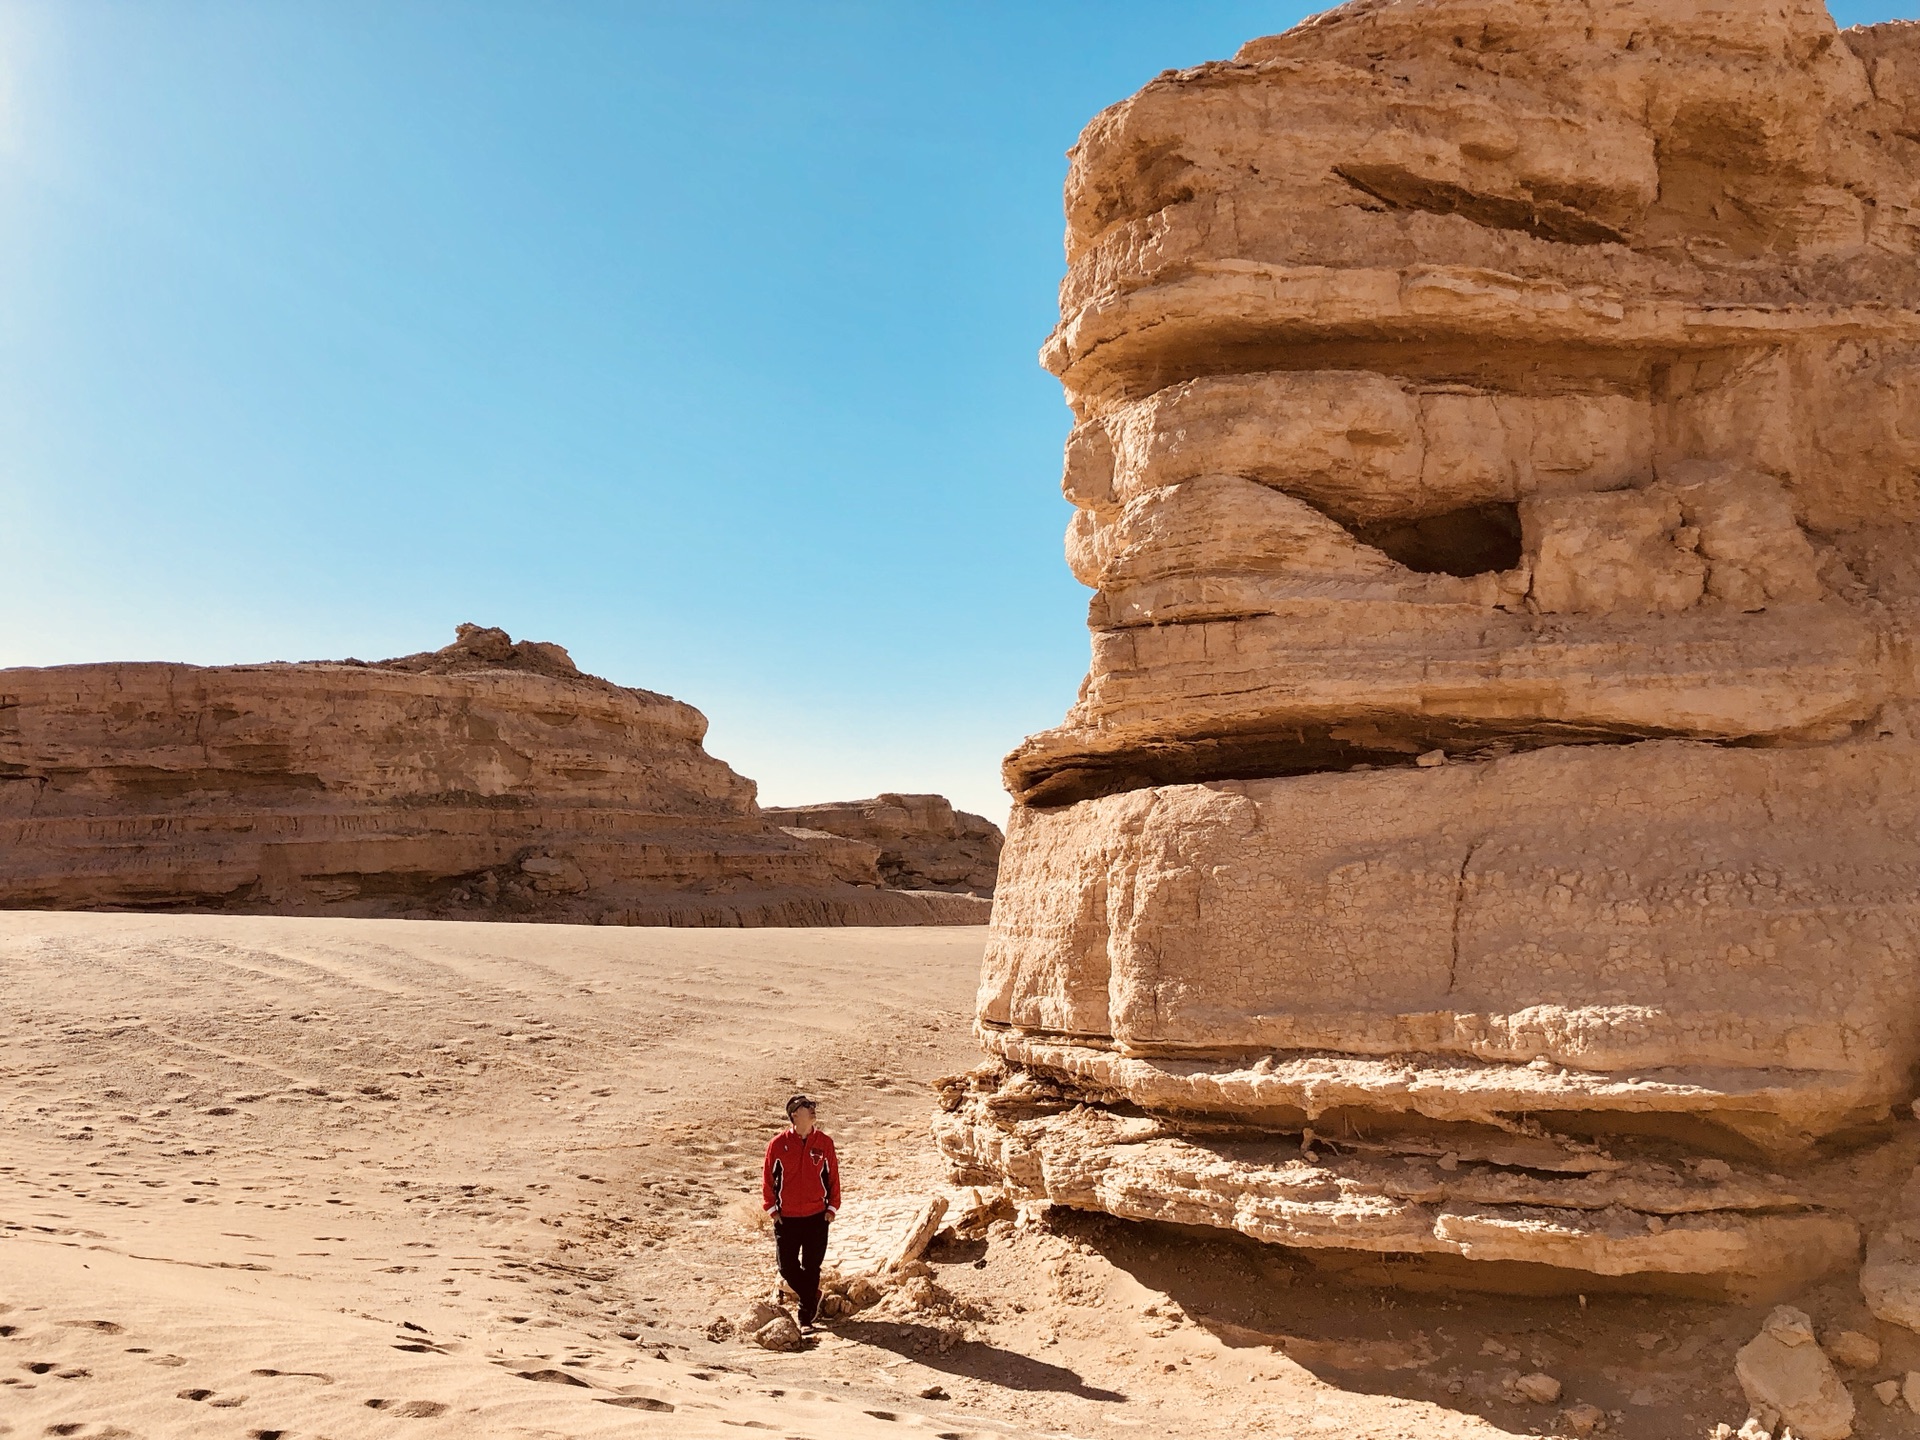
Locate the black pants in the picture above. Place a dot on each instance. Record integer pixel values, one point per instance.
(802, 1243)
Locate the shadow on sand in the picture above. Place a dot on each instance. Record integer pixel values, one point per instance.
(988, 1363)
(1661, 1368)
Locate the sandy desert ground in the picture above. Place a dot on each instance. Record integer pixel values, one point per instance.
(293, 1178)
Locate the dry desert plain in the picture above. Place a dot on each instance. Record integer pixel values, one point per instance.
(272, 1177)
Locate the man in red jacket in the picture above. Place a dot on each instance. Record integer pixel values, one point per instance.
(800, 1188)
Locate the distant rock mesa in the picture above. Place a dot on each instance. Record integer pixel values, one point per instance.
(1485, 835)
(488, 780)
(924, 843)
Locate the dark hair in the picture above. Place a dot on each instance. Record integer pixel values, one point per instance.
(796, 1102)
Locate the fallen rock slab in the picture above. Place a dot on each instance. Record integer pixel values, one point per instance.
(877, 1235)
(1785, 1374)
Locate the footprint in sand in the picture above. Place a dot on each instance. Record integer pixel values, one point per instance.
(218, 1402)
(409, 1409)
(552, 1377)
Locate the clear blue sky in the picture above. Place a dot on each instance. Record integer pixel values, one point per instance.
(697, 337)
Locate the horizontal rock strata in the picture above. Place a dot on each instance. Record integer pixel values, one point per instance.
(487, 780)
(1622, 927)
(1488, 1197)
(1496, 470)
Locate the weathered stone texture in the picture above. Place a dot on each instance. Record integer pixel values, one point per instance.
(486, 780)
(1529, 392)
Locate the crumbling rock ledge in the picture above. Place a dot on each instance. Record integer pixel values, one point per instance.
(1636, 1211)
(487, 780)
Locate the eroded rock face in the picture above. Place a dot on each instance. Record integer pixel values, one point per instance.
(1530, 393)
(924, 843)
(490, 779)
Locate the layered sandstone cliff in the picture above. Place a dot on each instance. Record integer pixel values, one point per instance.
(924, 843)
(1486, 829)
(486, 780)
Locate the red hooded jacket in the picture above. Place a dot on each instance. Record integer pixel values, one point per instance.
(800, 1177)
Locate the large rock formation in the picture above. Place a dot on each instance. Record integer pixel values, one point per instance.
(1487, 828)
(924, 843)
(486, 780)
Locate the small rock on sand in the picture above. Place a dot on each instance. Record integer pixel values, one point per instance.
(1583, 1419)
(1910, 1390)
(1785, 1373)
(1540, 1388)
(1887, 1391)
(780, 1333)
(1853, 1349)
(766, 1324)
(756, 1317)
